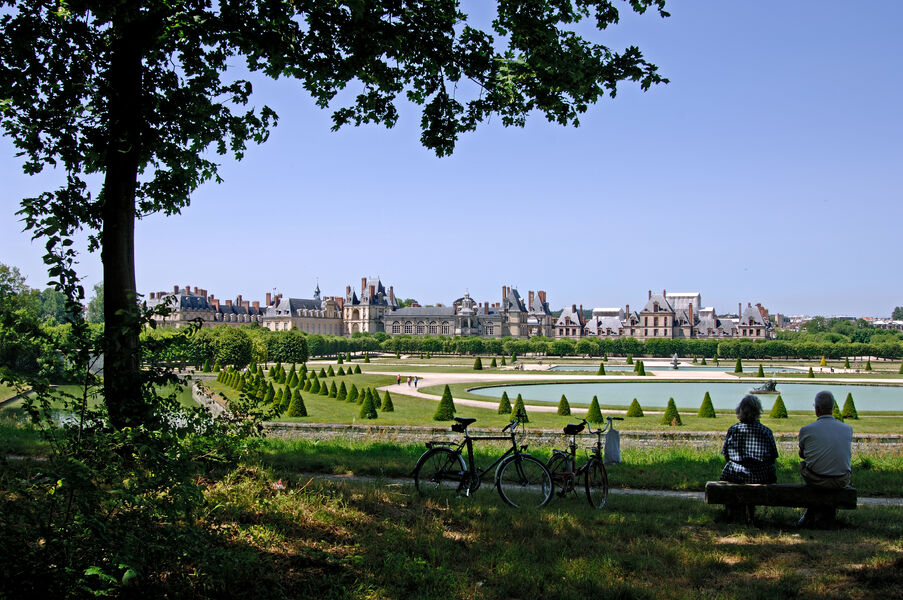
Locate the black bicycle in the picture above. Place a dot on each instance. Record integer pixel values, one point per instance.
(520, 479)
(562, 465)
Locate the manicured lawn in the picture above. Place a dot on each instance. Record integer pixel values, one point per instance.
(94, 400)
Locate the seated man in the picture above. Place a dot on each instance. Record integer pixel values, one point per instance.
(826, 450)
(750, 451)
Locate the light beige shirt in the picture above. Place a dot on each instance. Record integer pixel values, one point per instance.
(827, 446)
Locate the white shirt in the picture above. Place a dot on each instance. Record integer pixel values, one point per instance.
(826, 445)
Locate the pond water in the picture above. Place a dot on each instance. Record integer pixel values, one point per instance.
(688, 395)
(657, 367)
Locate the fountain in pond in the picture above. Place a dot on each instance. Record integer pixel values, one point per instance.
(674, 361)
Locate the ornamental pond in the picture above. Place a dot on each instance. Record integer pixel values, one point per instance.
(688, 395)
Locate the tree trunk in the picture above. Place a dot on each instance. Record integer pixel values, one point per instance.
(122, 376)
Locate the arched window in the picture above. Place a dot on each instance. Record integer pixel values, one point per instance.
(396, 327)
(408, 327)
(434, 329)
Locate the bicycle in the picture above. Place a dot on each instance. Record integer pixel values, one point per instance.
(521, 479)
(562, 465)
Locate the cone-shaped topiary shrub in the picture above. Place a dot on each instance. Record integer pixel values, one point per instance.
(702, 362)
(315, 386)
(849, 408)
(694, 359)
(352, 394)
(836, 412)
(640, 368)
(322, 372)
(478, 364)
(343, 392)
(868, 364)
(601, 370)
(216, 366)
(605, 356)
(348, 356)
(330, 372)
(706, 410)
(504, 404)
(340, 372)
(367, 357)
(630, 359)
(738, 368)
(564, 409)
(493, 364)
(823, 362)
(846, 363)
(207, 366)
(594, 414)
(269, 396)
(519, 411)
(635, 410)
(901, 369)
(760, 372)
(357, 369)
(303, 369)
(671, 416)
(778, 411)
(397, 354)
(333, 390)
(339, 360)
(715, 360)
(296, 407)
(387, 405)
(368, 407)
(308, 383)
(324, 389)
(811, 375)
(446, 409)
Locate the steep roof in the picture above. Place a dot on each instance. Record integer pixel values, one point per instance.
(663, 304)
(422, 312)
(514, 302)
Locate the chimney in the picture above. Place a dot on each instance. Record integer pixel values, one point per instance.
(175, 289)
(664, 292)
(503, 294)
(581, 311)
(204, 293)
(650, 294)
(542, 296)
(269, 298)
(363, 285)
(215, 304)
(530, 296)
(690, 314)
(627, 310)
(278, 296)
(196, 289)
(739, 308)
(372, 292)
(187, 289)
(347, 291)
(246, 305)
(152, 295)
(391, 294)
(228, 303)
(749, 305)
(573, 308)
(256, 305)
(238, 299)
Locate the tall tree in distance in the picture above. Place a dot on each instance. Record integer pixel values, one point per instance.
(136, 95)
(95, 312)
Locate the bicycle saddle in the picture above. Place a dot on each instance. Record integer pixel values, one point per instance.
(464, 421)
(574, 429)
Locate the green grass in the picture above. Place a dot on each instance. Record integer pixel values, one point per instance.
(183, 396)
(7, 391)
(676, 468)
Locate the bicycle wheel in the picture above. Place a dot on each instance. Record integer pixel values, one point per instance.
(596, 482)
(561, 469)
(523, 481)
(438, 472)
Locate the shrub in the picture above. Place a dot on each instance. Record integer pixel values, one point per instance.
(339, 359)
(594, 414)
(836, 412)
(315, 386)
(308, 383)
(340, 372)
(630, 359)
(514, 357)
(778, 411)
(330, 372)
(605, 356)
(760, 372)
(601, 370)
(706, 410)
(738, 368)
(478, 364)
(519, 411)
(503, 363)
(493, 364)
(694, 359)
(348, 356)
(357, 369)
(207, 366)
(277, 398)
(333, 390)
(216, 366)
(635, 410)
(342, 393)
(901, 369)
(296, 408)
(564, 409)
(868, 364)
(504, 404)
(811, 375)
(849, 408)
(368, 407)
(352, 394)
(702, 362)
(397, 354)
(366, 360)
(322, 372)
(428, 356)
(846, 362)
(671, 416)
(387, 405)
(640, 368)
(823, 362)
(446, 409)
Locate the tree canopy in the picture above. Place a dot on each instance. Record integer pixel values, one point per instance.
(141, 96)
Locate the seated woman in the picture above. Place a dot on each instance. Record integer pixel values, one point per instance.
(749, 447)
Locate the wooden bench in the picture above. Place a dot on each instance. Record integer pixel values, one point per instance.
(797, 495)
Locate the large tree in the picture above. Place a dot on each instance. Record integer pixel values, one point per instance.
(137, 93)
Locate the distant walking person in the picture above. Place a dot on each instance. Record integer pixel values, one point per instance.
(826, 447)
(398, 380)
(415, 381)
(409, 381)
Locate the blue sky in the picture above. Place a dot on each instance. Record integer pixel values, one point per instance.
(768, 171)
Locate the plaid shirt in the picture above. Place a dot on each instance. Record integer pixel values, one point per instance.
(750, 452)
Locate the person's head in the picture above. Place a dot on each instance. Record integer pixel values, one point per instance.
(824, 403)
(749, 410)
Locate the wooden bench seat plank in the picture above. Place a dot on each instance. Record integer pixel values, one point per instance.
(779, 494)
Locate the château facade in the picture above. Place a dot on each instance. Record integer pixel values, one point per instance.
(375, 309)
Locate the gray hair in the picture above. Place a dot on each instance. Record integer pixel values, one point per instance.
(749, 410)
(824, 402)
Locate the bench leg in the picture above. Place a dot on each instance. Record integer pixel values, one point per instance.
(817, 517)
